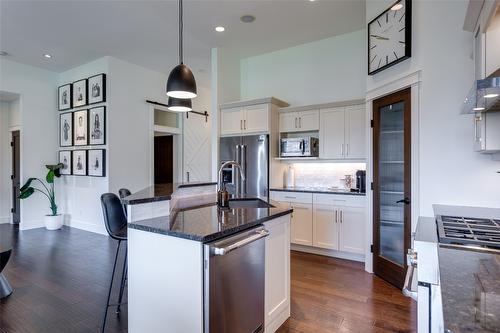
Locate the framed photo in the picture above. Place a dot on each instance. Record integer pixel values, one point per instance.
(97, 88)
(97, 126)
(79, 162)
(80, 128)
(80, 93)
(65, 159)
(64, 97)
(66, 129)
(97, 162)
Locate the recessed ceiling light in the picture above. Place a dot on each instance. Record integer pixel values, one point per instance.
(478, 109)
(48, 56)
(247, 18)
(490, 95)
(397, 6)
(220, 29)
(312, 0)
(3, 53)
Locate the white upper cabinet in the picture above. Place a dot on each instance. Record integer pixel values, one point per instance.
(342, 133)
(355, 132)
(245, 120)
(303, 121)
(256, 119)
(231, 121)
(331, 133)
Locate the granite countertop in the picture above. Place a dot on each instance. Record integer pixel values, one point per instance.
(470, 287)
(160, 192)
(316, 189)
(199, 219)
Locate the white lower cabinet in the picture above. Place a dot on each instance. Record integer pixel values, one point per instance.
(328, 221)
(302, 224)
(277, 285)
(325, 227)
(352, 229)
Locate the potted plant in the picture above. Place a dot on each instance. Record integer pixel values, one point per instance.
(52, 221)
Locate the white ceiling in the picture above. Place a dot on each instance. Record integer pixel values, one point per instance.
(145, 32)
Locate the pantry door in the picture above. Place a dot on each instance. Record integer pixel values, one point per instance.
(391, 185)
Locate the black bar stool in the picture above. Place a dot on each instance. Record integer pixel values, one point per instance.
(123, 192)
(5, 288)
(116, 226)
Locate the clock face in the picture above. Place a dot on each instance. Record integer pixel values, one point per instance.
(389, 37)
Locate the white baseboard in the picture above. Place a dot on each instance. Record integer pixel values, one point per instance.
(31, 224)
(85, 225)
(328, 253)
(4, 219)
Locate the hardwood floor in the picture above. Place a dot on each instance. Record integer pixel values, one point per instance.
(335, 295)
(61, 279)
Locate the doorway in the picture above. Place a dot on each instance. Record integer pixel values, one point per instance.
(16, 178)
(163, 159)
(391, 185)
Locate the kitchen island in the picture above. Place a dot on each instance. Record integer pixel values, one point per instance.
(170, 266)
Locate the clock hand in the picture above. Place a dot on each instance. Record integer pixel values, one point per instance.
(380, 37)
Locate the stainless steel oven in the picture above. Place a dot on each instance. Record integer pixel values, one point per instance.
(299, 147)
(234, 283)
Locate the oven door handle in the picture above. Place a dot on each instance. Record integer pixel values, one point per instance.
(220, 251)
(410, 272)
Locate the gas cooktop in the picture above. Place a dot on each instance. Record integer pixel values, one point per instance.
(478, 233)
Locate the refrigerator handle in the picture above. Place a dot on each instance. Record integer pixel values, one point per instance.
(235, 176)
(243, 164)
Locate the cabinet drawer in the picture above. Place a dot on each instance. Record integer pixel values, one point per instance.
(340, 200)
(297, 197)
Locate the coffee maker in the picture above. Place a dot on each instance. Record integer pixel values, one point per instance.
(361, 181)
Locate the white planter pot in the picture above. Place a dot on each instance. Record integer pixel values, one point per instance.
(53, 222)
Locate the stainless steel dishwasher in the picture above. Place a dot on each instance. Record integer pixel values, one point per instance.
(234, 283)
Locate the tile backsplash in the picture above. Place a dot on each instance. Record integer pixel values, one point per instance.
(324, 174)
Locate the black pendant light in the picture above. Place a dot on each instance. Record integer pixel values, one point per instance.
(179, 105)
(181, 82)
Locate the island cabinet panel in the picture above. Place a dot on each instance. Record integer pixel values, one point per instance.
(277, 285)
(165, 283)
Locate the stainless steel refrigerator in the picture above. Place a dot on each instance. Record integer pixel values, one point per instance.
(252, 153)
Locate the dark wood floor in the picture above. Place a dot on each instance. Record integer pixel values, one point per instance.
(61, 279)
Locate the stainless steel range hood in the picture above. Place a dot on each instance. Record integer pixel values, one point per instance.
(483, 97)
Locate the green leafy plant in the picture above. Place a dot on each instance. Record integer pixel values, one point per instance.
(48, 190)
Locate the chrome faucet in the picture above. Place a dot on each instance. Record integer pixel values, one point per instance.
(222, 194)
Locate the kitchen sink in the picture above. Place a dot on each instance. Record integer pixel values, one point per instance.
(249, 203)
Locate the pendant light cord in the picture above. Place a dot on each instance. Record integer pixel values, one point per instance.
(181, 26)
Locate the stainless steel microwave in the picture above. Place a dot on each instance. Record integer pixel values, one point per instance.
(300, 147)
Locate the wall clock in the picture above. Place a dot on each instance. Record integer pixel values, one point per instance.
(389, 37)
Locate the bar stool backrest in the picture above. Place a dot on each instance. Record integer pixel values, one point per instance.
(114, 217)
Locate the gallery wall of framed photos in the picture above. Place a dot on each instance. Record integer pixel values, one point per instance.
(82, 126)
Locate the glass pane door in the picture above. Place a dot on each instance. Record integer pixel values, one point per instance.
(391, 185)
(391, 182)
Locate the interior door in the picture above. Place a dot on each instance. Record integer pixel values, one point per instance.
(197, 148)
(332, 131)
(16, 178)
(391, 185)
(163, 159)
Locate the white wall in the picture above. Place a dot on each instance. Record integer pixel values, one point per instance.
(39, 131)
(323, 71)
(5, 162)
(450, 172)
(79, 197)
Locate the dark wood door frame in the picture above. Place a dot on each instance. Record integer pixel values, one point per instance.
(15, 176)
(383, 267)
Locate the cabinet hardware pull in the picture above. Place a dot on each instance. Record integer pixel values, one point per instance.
(347, 149)
(245, 124)
(300, 122)
(342, 149)
(336, 216)
(288, 197)
(241, 124)
(295, 122)
(341, 216)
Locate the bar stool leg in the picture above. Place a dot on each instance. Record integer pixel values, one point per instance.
(122, 286)
(110, 286)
